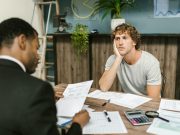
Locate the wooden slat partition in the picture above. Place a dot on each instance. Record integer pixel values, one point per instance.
(71, 70)
(101, 50)
(165, 50)
(177, 86)
(69, 67)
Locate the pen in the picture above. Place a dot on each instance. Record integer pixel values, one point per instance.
(107, 116)
(107, 101)
(65, 123)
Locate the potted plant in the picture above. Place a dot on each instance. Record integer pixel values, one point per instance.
(79, 38)
(113, 7)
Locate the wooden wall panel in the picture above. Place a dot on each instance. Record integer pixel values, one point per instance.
(101, 50)
(70, 68)
(155, 46)
(177, 94)
(170, 67)
(100, 53)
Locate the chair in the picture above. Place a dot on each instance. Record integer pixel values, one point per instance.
(163, 84)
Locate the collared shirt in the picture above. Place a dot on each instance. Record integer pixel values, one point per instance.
(14, 60)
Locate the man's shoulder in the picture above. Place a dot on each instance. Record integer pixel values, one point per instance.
(112, 57)
(33, 78)
(149, 58)
(35, 82)
(35, 88)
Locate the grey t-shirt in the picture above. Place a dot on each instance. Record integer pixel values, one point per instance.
(134, 78)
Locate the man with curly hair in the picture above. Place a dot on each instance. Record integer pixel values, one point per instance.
(138, 71)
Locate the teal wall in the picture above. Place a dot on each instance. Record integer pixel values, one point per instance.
(141, 16)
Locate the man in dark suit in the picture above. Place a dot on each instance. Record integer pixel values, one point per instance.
(27, 104)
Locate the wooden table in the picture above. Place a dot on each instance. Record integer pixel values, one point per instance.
(132, 130)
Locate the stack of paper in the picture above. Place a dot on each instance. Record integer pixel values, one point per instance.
(74, 98)
(170, 110)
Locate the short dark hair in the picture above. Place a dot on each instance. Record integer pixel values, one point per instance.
(131, 30)
(13, 27)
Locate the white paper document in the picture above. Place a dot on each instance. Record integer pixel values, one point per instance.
(173, 114)
(173, 105)
(74, 98)
(99, 124)
(131, 101)
(87, 108)
(161, 127)
(168, 109)
(105, 95)
(122, 99)
(63, 121)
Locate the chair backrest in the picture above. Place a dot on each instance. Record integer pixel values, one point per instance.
(163, 84)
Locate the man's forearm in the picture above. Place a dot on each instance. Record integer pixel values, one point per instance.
(108, 76)
(106, 80)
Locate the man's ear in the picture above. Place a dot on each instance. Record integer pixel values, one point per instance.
(22, 41)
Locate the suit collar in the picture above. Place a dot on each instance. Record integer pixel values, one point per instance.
(8, 58)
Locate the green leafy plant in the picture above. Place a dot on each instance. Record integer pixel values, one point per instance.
(113, 7)
(79, 38)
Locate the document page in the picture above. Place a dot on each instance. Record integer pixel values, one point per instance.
(62, 122)
(99, 124)
(173, 114)
(173, 105)
(74, 98)
(165, 128)
(131, 101)
(122, 99)
(105, 95)
(168, 109)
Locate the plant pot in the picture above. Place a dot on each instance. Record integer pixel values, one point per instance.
(116, 22)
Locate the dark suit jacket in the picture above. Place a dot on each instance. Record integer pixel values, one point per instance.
(27, 105)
